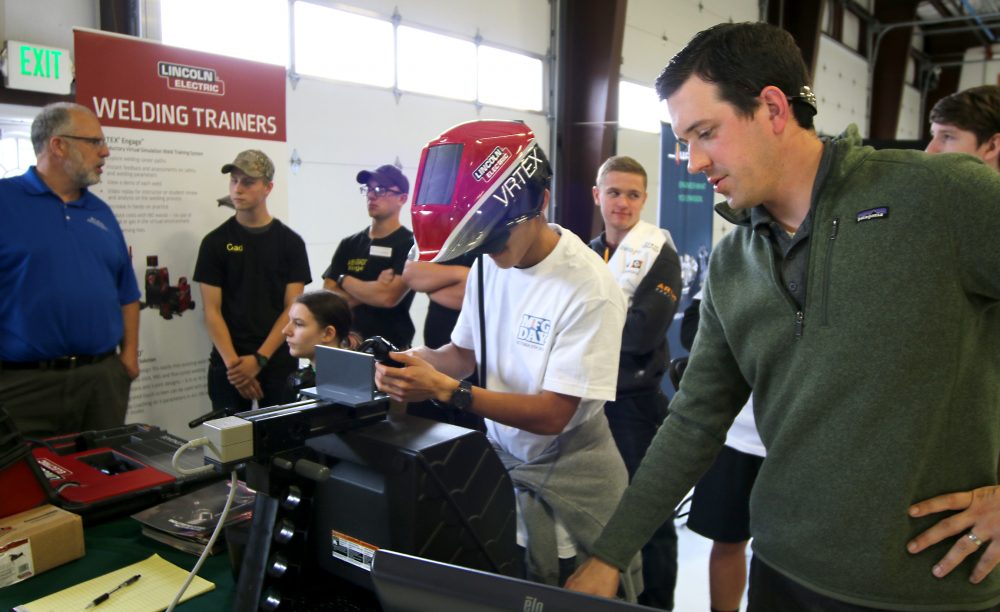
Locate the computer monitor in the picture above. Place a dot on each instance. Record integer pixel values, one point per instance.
(404, 583)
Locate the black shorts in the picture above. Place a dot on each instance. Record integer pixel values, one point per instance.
(720, 506)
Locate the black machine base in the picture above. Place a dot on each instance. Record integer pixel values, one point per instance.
(407, 484)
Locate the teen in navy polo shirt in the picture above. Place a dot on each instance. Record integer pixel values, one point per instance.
(70, 301)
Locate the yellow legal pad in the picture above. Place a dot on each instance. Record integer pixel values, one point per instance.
(153, 592)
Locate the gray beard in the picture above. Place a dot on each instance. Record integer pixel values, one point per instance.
(81, 177)
(86, 179)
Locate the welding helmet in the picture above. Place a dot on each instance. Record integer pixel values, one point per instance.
(475, 182)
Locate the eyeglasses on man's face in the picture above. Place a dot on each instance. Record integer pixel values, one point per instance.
(100, 143)
(378, 191)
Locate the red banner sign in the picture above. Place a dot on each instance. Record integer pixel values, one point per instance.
(135, 83)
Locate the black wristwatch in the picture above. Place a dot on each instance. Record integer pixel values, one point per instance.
(261, 360)
(461, 397)
(340, 280)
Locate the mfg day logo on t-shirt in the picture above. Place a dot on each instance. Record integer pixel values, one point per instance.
(533, 330)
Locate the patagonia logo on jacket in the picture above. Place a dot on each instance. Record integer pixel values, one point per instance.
(873, 213)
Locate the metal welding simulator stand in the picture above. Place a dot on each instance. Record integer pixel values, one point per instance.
(338, 480)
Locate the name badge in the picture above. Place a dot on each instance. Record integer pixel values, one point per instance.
(380, 251)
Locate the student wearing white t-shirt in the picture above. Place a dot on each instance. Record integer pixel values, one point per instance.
(553, 318)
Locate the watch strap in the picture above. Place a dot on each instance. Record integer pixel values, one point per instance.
(461, 397)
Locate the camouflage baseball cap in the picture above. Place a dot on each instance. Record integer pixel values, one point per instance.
(253, 163)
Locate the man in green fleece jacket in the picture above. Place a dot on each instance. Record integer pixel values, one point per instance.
(875, 390)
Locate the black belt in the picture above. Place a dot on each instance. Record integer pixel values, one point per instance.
(59, 363)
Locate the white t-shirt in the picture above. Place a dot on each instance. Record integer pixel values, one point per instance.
(555, 326)
(636, 254)
(743, 434)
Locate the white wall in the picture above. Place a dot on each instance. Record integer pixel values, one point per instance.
(910, 120)
(841, 88)
(851, 33)
(48, 22)
(978, 72)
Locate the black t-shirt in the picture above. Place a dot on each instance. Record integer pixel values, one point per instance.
(252, 268)
(441, 319)
(363, 258)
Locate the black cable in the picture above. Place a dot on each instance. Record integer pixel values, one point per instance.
(482, 325)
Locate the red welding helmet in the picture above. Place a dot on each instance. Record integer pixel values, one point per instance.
(475, 182)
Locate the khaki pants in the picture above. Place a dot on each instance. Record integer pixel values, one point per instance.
(53, 402)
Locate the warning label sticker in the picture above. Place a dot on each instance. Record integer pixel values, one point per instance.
(15, 562)
(352, 550)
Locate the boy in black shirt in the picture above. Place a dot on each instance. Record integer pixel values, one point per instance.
(251, 268)
(367, 268)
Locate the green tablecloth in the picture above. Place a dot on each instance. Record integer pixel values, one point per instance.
(113, 545)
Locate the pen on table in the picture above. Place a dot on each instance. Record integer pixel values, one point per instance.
(104, 597)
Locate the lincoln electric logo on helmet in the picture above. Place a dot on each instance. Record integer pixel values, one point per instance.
(492, 165)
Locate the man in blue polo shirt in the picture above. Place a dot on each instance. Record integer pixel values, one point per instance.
(69, 301)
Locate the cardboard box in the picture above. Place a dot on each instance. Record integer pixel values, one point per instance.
(37, 540)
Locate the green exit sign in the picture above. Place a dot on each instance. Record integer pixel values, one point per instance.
(37, 68)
